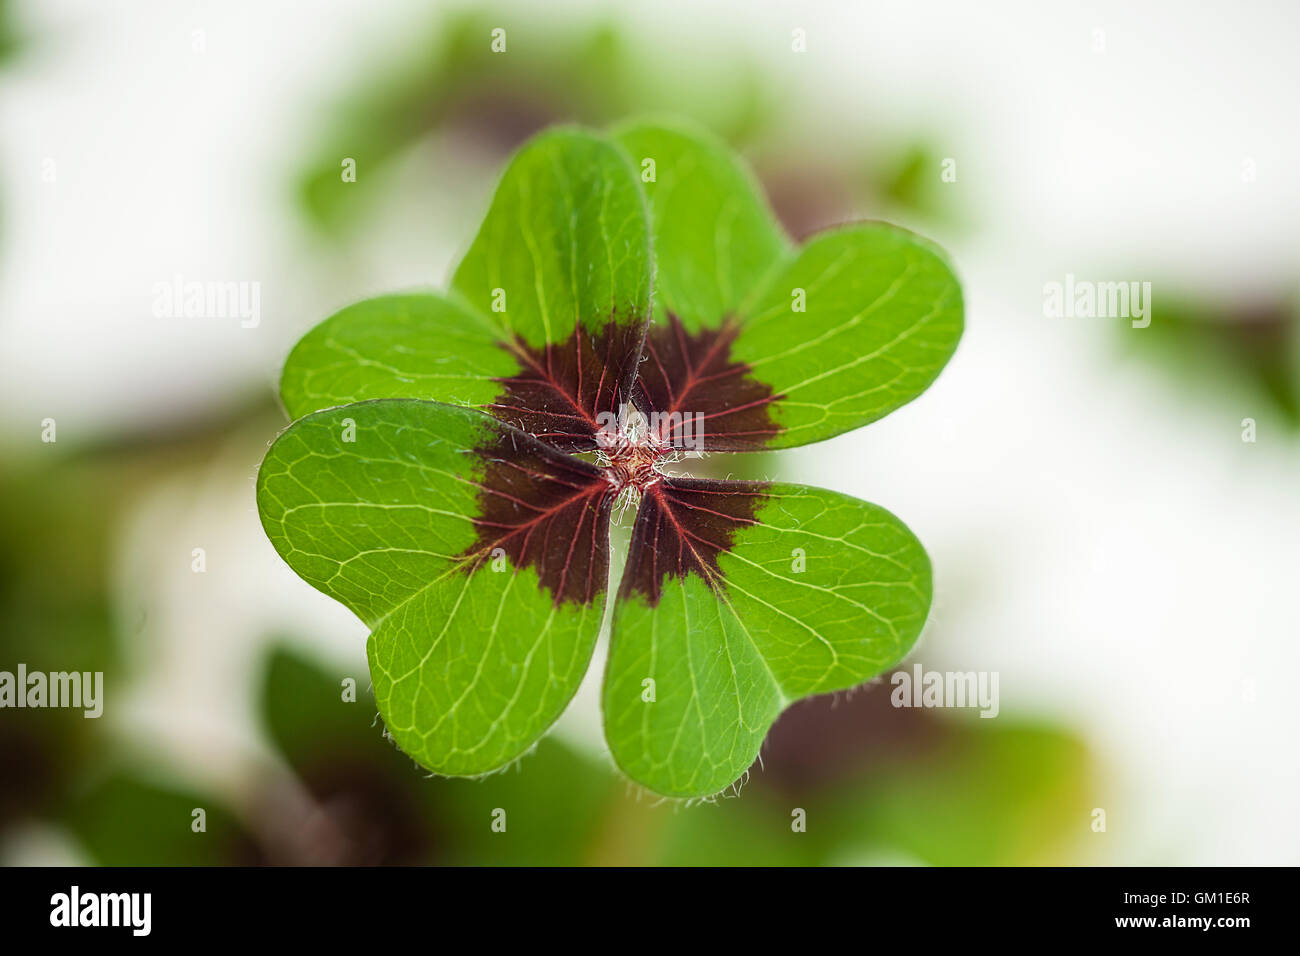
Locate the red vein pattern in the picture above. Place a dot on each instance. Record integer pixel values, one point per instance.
(695, 375)
(681, 528)
(563, 387)
(545, 511)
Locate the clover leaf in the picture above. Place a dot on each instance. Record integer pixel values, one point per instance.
(456, 460)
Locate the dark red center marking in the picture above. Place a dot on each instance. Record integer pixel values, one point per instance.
(564, 388)
(633, 465)
(688, 382)
(546, 511)
(682, 527)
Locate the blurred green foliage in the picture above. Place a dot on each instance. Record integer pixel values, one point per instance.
(128, 819)
(62, 511)
(552, 72)
(57, 521)
(1248, 353)
(10, 37)
(961, 791)
(450, 83)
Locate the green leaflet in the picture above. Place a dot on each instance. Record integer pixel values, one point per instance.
(884, 313)
(726, 660)
(415, 345)
(471, 662)
(567, 240)
(714, 235)
(564, 246)
(478, 552)
(854, 324)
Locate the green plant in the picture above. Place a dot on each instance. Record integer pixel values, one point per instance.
(457, 458)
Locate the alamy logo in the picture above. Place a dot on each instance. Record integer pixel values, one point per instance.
(75, 908)
(179, 299)
(678, 429)
(1083, 299)
(922, 688)
(77, 689)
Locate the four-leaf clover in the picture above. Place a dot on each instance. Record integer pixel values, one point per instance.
(456, 459)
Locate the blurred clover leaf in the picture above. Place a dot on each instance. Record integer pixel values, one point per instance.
(457, 457)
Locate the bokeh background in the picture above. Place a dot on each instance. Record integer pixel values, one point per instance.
(1102, 536)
